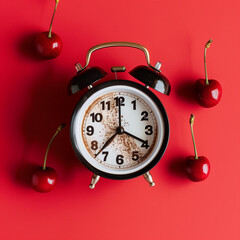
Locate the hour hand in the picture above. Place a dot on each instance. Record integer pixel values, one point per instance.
(106, 144)
(133, 136)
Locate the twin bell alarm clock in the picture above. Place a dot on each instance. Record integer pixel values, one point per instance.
(119, 128)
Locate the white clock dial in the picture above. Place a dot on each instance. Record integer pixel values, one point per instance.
(119, 129)
(138, 125)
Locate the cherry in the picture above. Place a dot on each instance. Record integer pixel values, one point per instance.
(48, 47)
(197, 167)
(208, 95)
(48, 44)
(44, 178)
(208, 91)
(197, 170)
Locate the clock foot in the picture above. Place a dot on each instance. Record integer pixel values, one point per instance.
(149, 179)
(94, 180)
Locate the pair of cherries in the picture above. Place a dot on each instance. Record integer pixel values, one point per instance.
(47, 45)
(208, 94)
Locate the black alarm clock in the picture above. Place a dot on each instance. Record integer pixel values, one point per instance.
(119, 128)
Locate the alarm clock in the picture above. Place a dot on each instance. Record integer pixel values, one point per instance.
(119, 128)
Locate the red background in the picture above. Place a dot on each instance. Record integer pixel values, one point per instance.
(34, 101)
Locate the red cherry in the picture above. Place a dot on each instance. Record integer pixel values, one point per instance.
(208, 92)
(48, 47)
(48, 44)
(44, 180)
(208, 95)
(197, 169)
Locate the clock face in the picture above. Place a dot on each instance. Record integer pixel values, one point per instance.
(119, 129)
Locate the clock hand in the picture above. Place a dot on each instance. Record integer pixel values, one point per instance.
(139, 139)
(106, 144)
(119, 114)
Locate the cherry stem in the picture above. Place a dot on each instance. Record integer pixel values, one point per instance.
(191, 121)
(58, 130)
(207, 45)
(50, 28)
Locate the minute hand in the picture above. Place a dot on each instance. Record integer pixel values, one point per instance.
(133, 136)
(119, 114)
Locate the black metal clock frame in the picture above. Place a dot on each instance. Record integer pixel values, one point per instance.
(160, 108)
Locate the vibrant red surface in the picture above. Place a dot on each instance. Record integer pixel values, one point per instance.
(34, 101)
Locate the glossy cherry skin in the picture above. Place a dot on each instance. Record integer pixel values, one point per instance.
(44, 180)
(208, 95)
(197, 169)
(46, 47)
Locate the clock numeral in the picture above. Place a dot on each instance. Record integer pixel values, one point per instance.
(145, 144)
(145, 116)
(149, 129)
(119, 159)
(135, 155)
(134, 103)
(94, 145)
(120, 100)
(96, 117)
(90, 130)
(106, 154)
(105, 105)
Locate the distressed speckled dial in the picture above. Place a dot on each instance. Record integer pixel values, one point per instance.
(133, 143)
